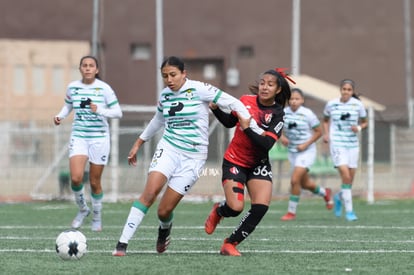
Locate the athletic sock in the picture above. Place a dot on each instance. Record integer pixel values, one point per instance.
(293, 203)
(319, 190)
(248, 223)
(135, 217)
(346, 190)
(164, 224)
(97, 204)
(79, 196)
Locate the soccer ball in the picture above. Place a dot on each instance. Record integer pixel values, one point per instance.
(71, 245)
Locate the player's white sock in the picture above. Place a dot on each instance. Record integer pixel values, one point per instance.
(322, 191)
(96, 211)
(79, 197)
(293, 204)
(135, 217)
(347, 197)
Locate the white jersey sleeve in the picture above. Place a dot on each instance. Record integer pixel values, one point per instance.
(227, 101)
(156, 124)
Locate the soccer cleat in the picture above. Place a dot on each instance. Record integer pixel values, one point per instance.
(120, 249)
(350, 216)
(328, 198)
(288, 217)
(163, 239)
(96, 225)
(96, 221)
(78, 220)
(229, 249)
(338, 205)
(212, 220)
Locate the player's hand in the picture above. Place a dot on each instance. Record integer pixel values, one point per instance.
(132, 156)
(212, 106)
(326, 138)
(94, 107)
(57, 120)
(244, 122)
(301, 147)
(284, 140)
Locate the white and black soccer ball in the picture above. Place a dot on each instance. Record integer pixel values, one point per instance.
(71, 245)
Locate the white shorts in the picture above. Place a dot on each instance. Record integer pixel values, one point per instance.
(97, 149)
(182, 171)
(345, 156)
(303, 159)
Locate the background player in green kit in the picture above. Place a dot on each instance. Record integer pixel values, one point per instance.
(344, 118)
(301, 130)
(93, 102)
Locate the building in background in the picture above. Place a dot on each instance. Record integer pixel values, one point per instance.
(226, 43)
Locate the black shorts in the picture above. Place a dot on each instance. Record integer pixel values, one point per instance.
(241, 174)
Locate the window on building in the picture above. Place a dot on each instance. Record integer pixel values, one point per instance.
(38, 79)
(141, 51)
(19, 79)
(246, 51)
(58, 82)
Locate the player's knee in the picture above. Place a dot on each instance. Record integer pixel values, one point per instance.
(227, 211)
(76, 180)
(164, 214)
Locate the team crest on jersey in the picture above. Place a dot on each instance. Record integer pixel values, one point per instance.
(234, 170)
(268, 118)
(97, 91)
(189, 94)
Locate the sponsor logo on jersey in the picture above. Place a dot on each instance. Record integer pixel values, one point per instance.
(279, 127)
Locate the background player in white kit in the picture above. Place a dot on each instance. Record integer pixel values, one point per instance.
(344, 118)
(183, 112)
(301, 130)
(93, 102)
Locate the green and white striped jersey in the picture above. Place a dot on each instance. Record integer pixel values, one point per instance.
(342, 116)
(298, 126)
(87, 124)
(185, 115)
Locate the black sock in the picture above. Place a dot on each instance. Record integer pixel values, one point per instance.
(248, 223)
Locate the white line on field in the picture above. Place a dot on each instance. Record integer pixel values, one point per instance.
(277, 226)
(132, 252)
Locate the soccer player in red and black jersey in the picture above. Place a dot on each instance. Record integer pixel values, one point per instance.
(246, 160)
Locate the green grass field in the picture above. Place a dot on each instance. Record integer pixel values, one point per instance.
(380, 242)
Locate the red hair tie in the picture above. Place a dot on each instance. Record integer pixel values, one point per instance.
(281, 71)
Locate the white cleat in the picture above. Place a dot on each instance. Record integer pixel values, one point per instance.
(96, 221)
(78, 220)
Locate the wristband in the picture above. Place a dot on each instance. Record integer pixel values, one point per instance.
(359, 128)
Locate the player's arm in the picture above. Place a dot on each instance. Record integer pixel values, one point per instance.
(316, 134)
(225, 100)
(114, 110)
(227, 119)
(267, 139)
(64, 112)
(155, 125)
